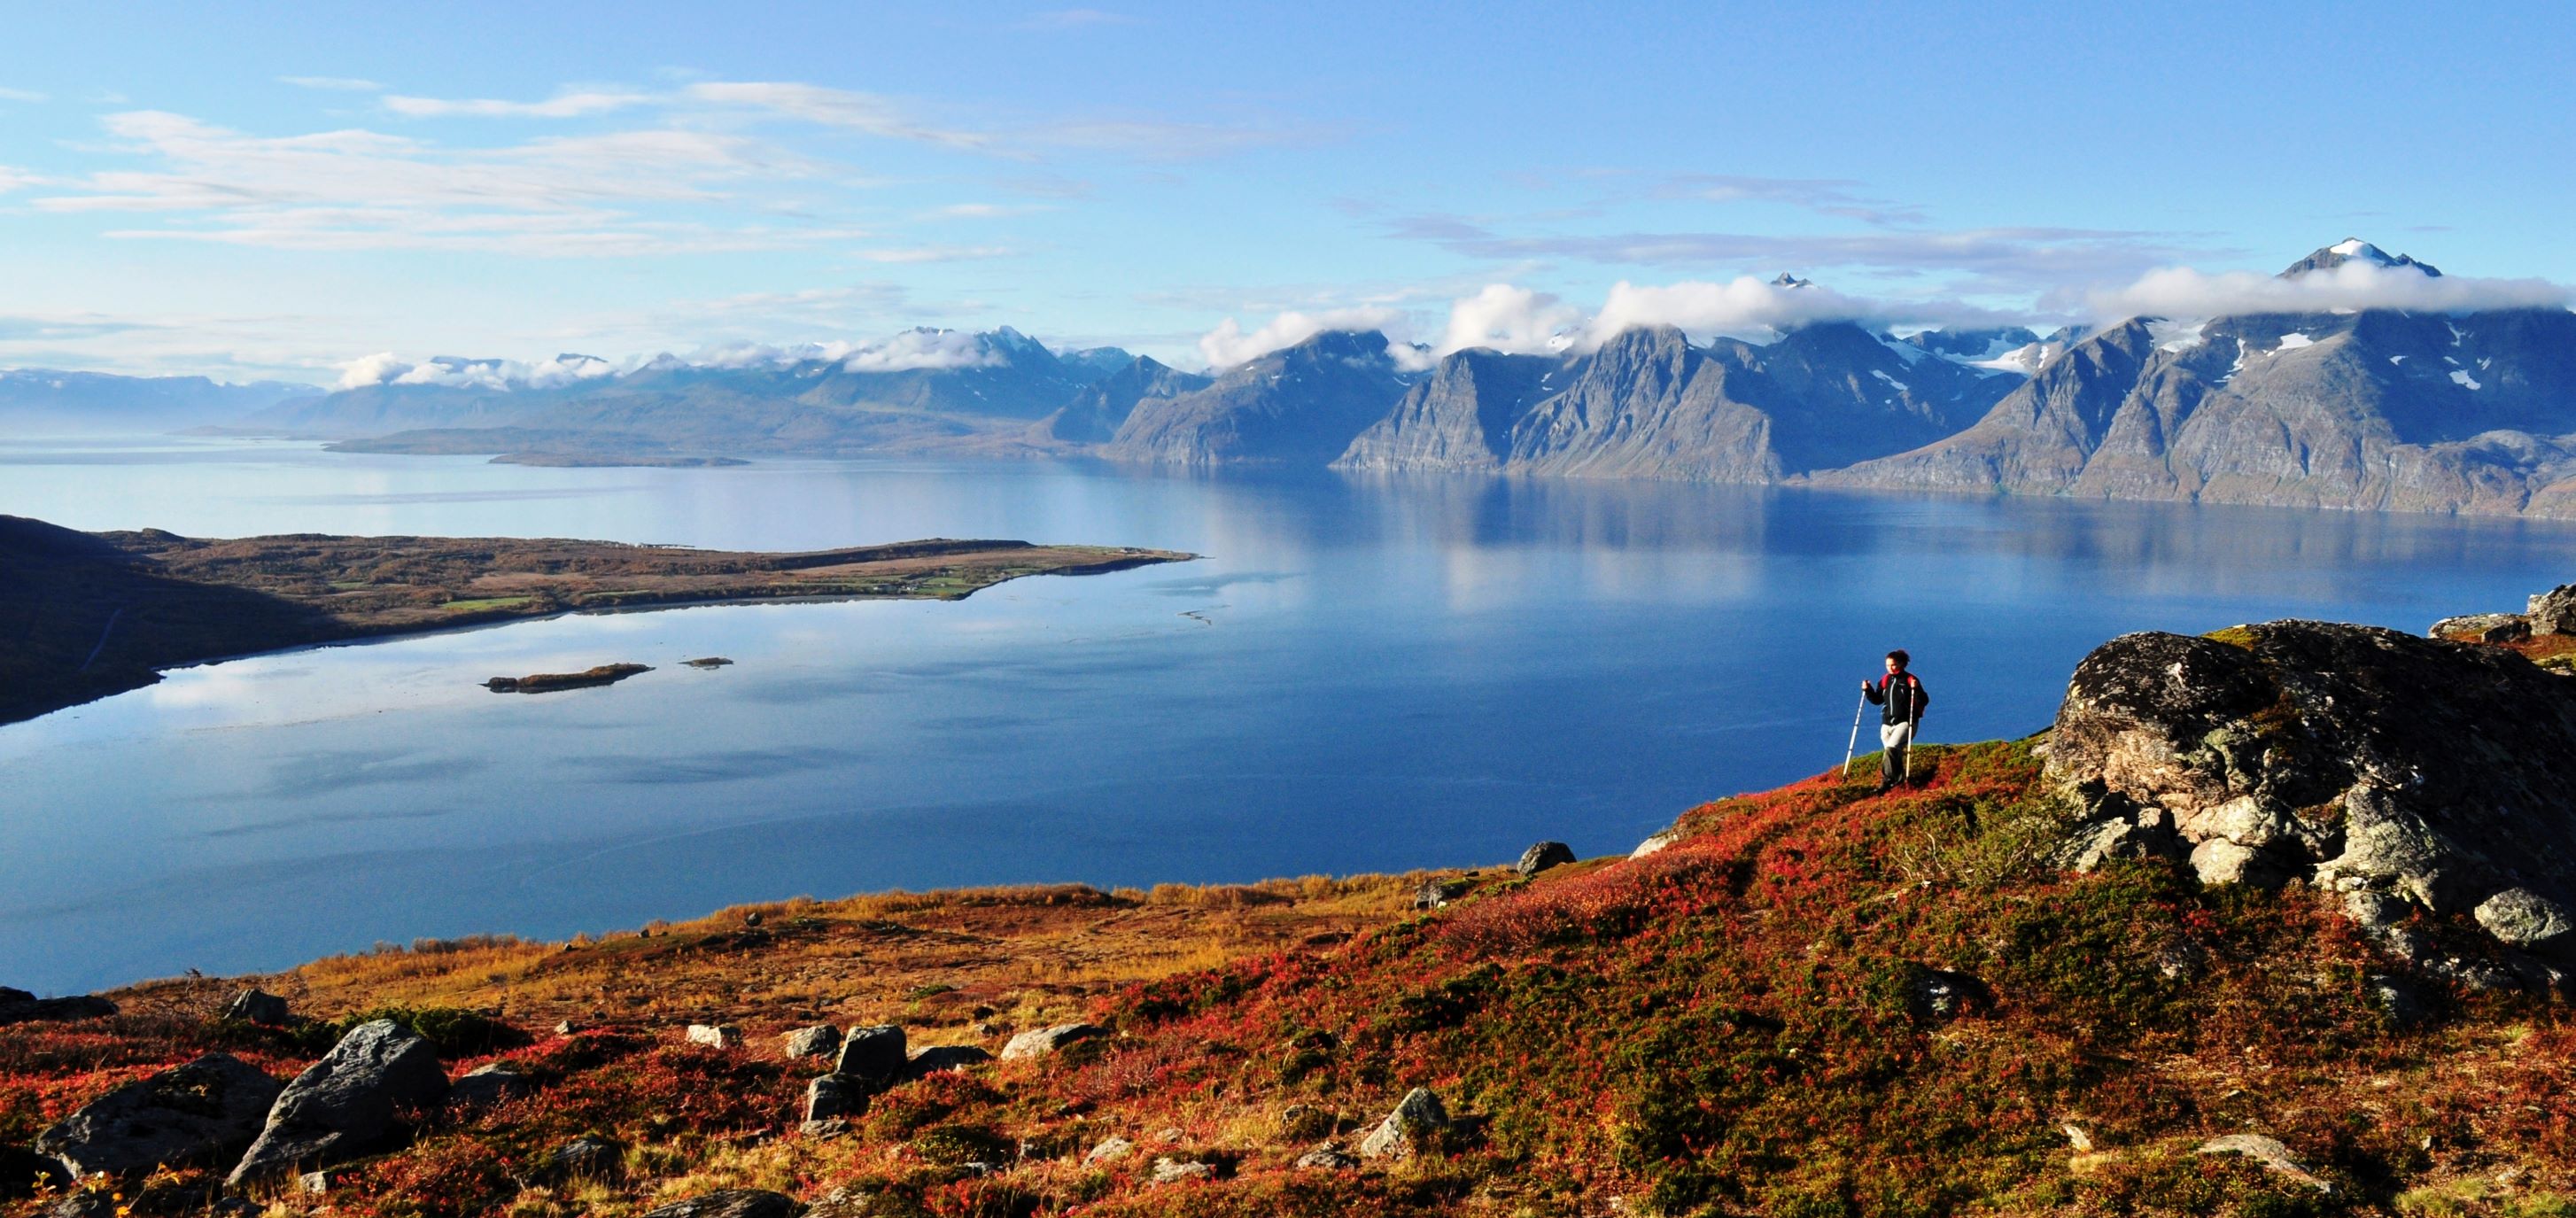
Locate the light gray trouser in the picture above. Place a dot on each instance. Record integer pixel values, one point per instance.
(1895, 738)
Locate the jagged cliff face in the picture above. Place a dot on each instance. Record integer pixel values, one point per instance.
(2372, 410)
(1095, 414)
(1648, 404)
(2402, 772)
(1301, 405)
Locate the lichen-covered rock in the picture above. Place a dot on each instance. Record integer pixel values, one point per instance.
(201, 1113)
(348, 1104)
(836, 1096)
(1175, 1171)
(588, 1157)
(938, 1058)
(2267, 1151)
(1656, 844)
(1326, 1157)
(1043, 1041)
(1110, 1150)
(1417, 1118)
(2364, 760)
(2524, 918)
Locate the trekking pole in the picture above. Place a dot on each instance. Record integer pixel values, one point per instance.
(1854, 743)
(1913, 724)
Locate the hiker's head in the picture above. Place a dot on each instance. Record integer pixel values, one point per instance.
(1897, 660)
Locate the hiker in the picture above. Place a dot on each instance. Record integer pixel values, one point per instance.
(1901, 700)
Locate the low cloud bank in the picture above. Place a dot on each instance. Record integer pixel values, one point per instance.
(2181, 292)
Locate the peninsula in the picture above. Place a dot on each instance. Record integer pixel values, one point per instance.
(85, 615)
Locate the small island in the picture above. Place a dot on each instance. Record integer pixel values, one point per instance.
(549, 682)
(86, 615)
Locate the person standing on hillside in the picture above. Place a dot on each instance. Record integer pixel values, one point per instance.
(1901, 700)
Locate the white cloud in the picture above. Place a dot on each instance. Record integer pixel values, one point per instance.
(1516, 320)
(1229, 344)
(359, 189)
(923, 349)
(370, 370)
(844, 108)
(562, 105)
(22, 95)
(337, 84)
(2185, 293)
(1702, 309)
(936, 253)
(987, 211)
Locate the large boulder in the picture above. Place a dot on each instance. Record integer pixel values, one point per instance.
(255, 1005)
(873, 1058)
(348, 1104)
(2554, 611)
(1418, 1118)
(821, 1040)
(1542, 856)
(2395, 770)
(204, 1112)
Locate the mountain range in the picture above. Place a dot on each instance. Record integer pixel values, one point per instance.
(2376, 408)
(50, 400)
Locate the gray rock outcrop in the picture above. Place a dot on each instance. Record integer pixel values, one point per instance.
(836, 1097)
(1418, 1118)
(1044, 1041)
(1542, 856)
(348, 1104)
(258, 1006)
(714, 1035)
(938, 1058)
(873, 1057)
(2396, 770)
(203, 1113)
(732, 1203)
(490, 1084)
(821, 1040)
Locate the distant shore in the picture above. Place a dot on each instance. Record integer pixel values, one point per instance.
(101, 613)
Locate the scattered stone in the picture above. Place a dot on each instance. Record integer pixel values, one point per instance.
(732, 1203)
(1328, 1156)
(348, 1103)
(1938, 996)
(937, 1058)
(23, 1173)
(1110, 1150)
(490, 1084)
(850, 1201)
(715, 1035)
(828, 1127)
(1171, 1135)
(1656, 844)
(1542, 856)
(567, 1028)
(588, 1157)
(2374, 911)
(1437, 894)
(19, 1006)
(752, 919)
(2396, 1000)
(1044, 1041)
(319, 1183)
(821, 1040)
(873, 1057)
(2523, 918)
(2077, 1138)
(2181, 960)
(836, 1096)
(2476, 976)
(1174, 1171)
(205, 1112)
(2268, 1152)
(1305, 1122)
(1417, 1118)
(257, 1006)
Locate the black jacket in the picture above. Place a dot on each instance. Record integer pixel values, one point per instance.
(1901, 697)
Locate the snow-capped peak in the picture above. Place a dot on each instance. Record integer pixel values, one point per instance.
(2350, 246)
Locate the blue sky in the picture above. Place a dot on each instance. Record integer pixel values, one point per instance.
(272, 190)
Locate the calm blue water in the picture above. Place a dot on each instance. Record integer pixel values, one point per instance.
(1364, 674)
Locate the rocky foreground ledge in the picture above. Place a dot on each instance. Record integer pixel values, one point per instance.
(2270, 922)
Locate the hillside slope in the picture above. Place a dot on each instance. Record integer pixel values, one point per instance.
(1817, 1000)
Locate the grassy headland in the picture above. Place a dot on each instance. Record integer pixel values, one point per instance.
(84, 615)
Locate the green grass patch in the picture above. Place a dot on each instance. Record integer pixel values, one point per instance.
(487, 602)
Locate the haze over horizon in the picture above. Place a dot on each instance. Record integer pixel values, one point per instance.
(190, 192)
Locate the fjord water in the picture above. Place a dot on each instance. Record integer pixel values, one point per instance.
(1363, 674)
